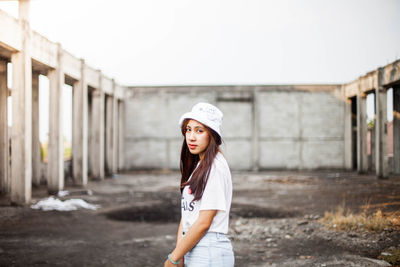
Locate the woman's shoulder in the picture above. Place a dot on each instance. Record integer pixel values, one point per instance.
(220, 162)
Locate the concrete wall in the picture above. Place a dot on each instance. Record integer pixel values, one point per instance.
(264, 127)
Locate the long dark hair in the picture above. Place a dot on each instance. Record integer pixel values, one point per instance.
(189, 162)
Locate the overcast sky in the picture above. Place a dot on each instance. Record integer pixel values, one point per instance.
(180, 42)
(167, 42)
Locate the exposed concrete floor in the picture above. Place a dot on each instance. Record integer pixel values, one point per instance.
(273, 222)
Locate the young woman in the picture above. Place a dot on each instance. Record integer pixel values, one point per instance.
(206, 187)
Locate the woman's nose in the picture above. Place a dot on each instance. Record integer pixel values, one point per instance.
(191, 136)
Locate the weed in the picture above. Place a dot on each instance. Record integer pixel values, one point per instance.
(391, 256)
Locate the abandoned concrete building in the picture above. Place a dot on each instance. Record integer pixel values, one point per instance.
(115, 127)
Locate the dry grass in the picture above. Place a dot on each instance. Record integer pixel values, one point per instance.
(346, 220)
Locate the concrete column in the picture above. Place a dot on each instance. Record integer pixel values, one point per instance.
(80, 130)
(115, 129)
(21, 136)
(91, 142)
(362, 159)
(381, 158)
(109, 133)
(35, 130)
(396, 129)
(255, 135)
(4, 146)
(55, 180)
(98, 132)
(121, 135)
(348, 142)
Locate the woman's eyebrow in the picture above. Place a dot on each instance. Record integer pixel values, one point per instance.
(196, 127)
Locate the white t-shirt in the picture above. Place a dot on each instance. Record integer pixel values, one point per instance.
(217, 196)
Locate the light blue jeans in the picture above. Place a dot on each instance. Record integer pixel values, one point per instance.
(213, 250)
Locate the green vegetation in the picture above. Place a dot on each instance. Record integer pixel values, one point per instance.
(391, 256)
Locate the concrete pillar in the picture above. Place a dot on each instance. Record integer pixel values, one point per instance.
(381, 157)
(21, 136)
(98, 132)
(115, 129)
(362, 159)
(24, 10)
(4, 145)
(348, 131)
(80, 130)
(255, 135)
(55, 180)
(121, 135)
(109, 133)
(36, 175)
(91, 142)
(396, 129)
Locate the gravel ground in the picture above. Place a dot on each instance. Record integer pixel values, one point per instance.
(275, 221)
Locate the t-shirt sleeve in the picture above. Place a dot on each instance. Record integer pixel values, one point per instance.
(214, 194)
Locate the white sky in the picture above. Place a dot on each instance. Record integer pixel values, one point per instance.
(175, 42)
(224, 41)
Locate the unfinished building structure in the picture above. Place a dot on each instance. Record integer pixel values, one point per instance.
(274, 126)
(98, 112)
(378, 83)
(115, 127)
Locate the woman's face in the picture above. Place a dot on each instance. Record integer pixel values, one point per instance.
(197, 138)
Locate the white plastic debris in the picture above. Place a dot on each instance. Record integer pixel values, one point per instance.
(63, 193)
(52, 203)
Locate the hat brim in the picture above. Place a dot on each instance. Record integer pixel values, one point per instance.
(193, 116)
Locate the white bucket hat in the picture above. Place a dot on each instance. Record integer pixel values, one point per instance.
(206, 114)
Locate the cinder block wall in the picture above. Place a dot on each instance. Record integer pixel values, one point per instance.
(264, 127)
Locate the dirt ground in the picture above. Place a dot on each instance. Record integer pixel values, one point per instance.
(274, 222)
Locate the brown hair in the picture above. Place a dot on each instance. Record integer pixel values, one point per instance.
(189, 162)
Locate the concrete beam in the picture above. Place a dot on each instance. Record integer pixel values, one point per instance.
(391, 73)
(381, 146)
(80, 130)
(396, 129)
(36, 175)
(44, 51)
(109, 133)
(55, 176)
(362, 159)
(107, 85)
(93, 77)
(72, 66)
(21, 164)
(4, 145)
(11, 33)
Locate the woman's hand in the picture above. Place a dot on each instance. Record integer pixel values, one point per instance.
(167, 263)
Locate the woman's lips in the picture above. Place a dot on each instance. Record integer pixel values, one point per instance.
(192, 146)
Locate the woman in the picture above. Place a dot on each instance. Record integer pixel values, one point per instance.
(206, 188)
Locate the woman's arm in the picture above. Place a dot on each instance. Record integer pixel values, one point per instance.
(193, 236)
(178, 239)
(179, 235)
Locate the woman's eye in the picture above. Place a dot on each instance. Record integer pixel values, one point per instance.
(199, 131)
(187, 130)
